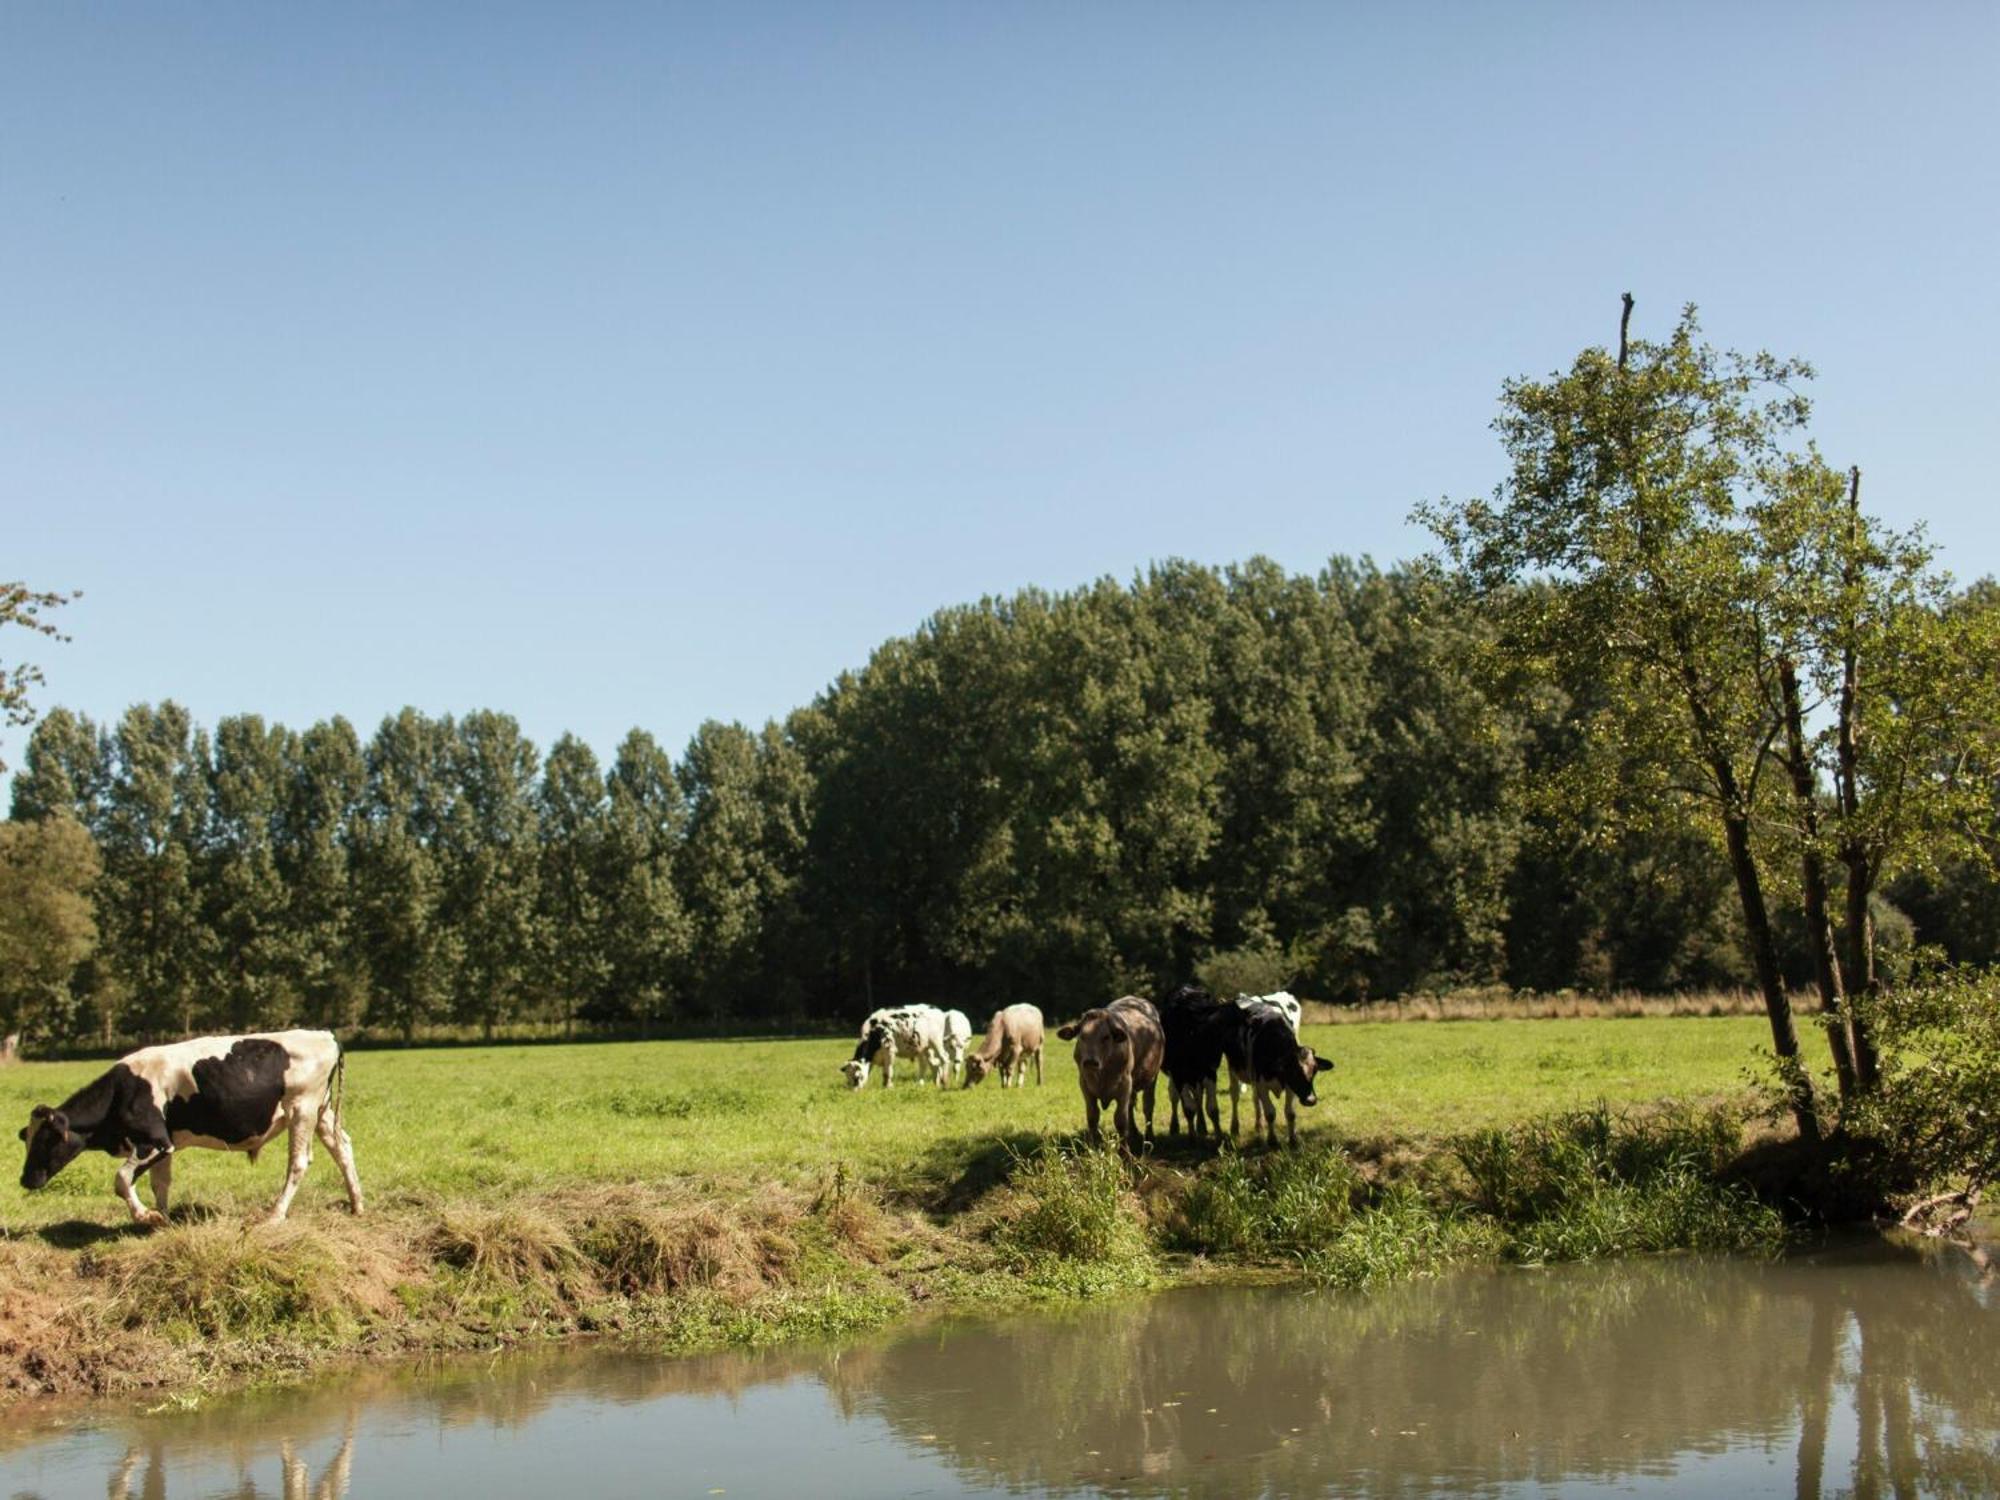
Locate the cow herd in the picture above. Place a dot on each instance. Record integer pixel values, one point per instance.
(1122, 1051)
(239, 1093)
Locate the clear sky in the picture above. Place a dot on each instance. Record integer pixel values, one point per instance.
(633, 365)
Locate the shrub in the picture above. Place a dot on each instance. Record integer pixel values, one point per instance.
(1591, 1183)
(1399, 1237)
(1077, 1209)
(1933, 1124)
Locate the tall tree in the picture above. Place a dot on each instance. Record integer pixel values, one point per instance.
(155, 812)
(246, 904)
(489, 849)
(645, 928)
(573, 820)
(317, 816)
(1630, 484)
(47, 869)
(410, 951)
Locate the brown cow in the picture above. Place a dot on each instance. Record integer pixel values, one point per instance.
(1119, 1049)
(1012, 1037)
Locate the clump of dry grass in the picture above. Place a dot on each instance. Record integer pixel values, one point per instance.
(516, 1249)
(222, 1280)
(641, 1244)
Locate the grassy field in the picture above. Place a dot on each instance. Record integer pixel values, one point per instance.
(705, 1192)
(486, 1122)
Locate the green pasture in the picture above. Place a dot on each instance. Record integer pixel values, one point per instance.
(483, 1122)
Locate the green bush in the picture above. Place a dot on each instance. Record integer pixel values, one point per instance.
(1399, 1237)
(1592, 1183)
(1933, 1124)
(1074, 1208)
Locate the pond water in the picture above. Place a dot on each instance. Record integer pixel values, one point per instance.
(1856, 1371)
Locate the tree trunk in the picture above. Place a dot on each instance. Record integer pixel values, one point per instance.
(1860, 946)
(1764, 954)
(1812, 881)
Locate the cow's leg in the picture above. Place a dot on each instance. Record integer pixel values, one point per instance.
(1174, 1110)
(1214, 1109)
(1291, 1117)
(299, 1158)
(1122, 1116)
(1233, 1093)
(1090, 1112)
(162, 1177)
(341, 1148)
(141, 1158)
(1038, 1067)
(889, 1066)
(1146, 1098)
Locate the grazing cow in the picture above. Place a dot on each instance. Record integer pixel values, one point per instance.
(1119, 1048)
(957, 1042)
(1279, 1064)
(1239, 1079)
(916, 1031)
(230, 1093)
(1012, 1037)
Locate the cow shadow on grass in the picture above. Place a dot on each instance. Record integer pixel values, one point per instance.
(966, 1177)
(81, 1234)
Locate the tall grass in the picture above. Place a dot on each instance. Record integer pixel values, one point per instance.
(1072, 1205)
(1592, 1183)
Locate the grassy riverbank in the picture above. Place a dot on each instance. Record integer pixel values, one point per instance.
(690, 1193)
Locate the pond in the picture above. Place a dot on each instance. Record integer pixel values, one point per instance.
(1864, 1370)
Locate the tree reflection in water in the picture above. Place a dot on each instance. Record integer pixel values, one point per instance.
(1870, 1370)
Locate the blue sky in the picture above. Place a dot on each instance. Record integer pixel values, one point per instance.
(633, 365)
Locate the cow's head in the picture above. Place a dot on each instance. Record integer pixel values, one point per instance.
(1103, 1045)
(52, 1145)
(856, 1071)
(976, 1069)
(1300, 1066)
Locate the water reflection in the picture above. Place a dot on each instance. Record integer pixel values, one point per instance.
(1849, 1373)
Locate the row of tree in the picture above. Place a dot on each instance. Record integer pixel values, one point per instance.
(1671, 713)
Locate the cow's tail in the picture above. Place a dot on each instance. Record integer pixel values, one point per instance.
(336, 1087)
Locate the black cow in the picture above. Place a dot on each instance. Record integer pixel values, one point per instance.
(229, 1093)
(1201, 1034)
(1277, 1063)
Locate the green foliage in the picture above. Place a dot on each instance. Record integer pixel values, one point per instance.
(47, 869)
(1592, 1183)
(1399, 1237)
(1281, 1203)
(1934, 1125)
(1076, 1207)
(24, 607)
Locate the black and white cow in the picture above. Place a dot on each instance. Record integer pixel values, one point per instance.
(229, 1093)
(1277, 1063)
(918, 1031)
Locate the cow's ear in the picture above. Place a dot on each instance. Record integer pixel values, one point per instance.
(24, 1132)
(1068, 1032)
(40, 1112)
(1322, 1064)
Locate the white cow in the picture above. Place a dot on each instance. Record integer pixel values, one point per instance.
(916, 1031)
(957, 1042)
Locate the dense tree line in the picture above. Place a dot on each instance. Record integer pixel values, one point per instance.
(1317, 780)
